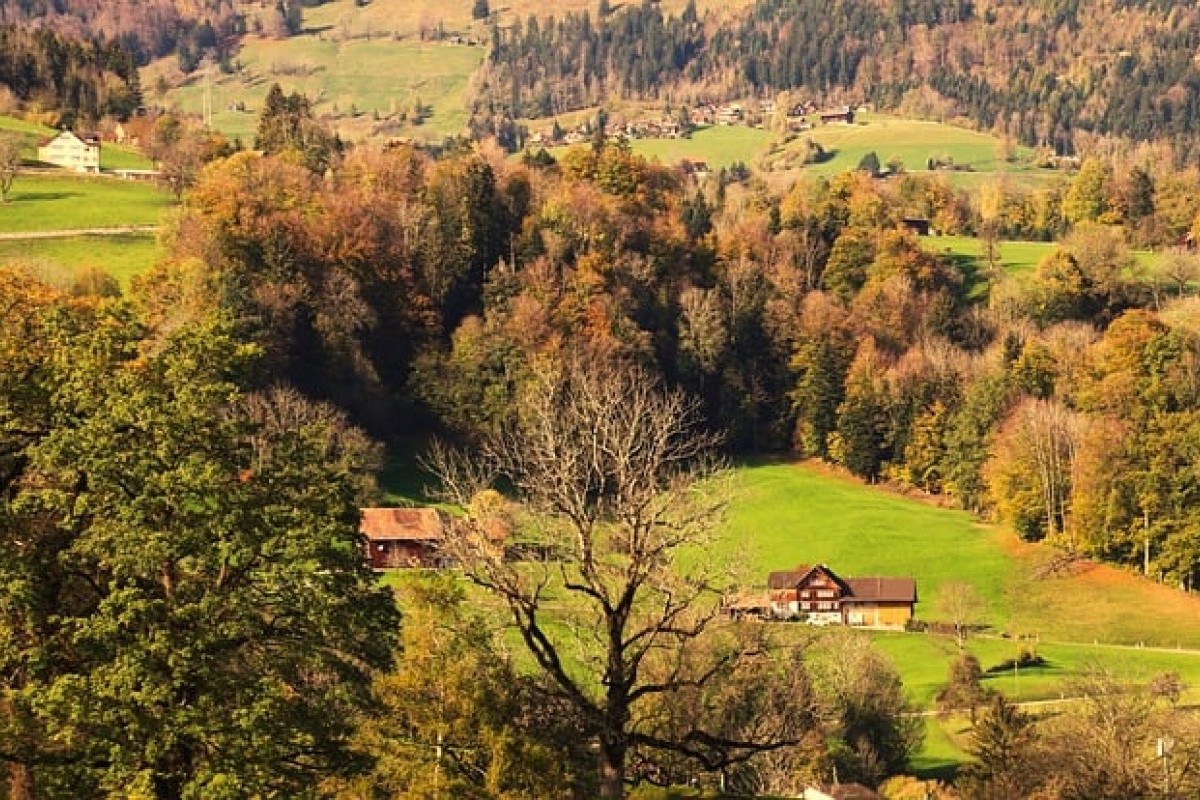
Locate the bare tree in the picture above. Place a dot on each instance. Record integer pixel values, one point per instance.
(10, 164)
(963, 608)
(623, 615)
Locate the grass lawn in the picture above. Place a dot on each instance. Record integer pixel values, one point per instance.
(718, 146)
(58, 202)
(122, 256)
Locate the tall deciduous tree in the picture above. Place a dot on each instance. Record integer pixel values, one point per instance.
(626, 614)
(190, 611)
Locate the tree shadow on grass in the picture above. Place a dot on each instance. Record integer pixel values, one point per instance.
(35, 197)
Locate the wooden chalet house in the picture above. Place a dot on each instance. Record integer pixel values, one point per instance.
(404, 537)
(820, 597)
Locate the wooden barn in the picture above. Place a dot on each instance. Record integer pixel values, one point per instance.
(404, 537)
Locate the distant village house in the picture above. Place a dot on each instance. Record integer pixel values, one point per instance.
(71, 152)
(820, 597)
(845, 116)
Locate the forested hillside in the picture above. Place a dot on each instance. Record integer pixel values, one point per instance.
(146, 28)
(1044, 72)
(421, 295)
(80, 80)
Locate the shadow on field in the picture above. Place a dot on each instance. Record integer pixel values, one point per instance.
(43, 196)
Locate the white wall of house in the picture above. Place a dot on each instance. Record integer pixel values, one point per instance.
(70, 152)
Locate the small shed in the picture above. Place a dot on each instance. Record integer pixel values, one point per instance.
(404, 537)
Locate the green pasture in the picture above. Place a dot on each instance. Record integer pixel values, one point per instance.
(718, 146)
(48, 202)
(1017, 258)
(914, 143)
(785, 514)
(122, 256)
(363, 84)
(789, 514)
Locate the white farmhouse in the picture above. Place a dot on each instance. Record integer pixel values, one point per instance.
(71, 152)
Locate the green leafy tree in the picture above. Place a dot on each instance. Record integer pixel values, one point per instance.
(456, 719)
(851, 255)
(869, 164)
(864, 416)
(204, 622)
(1089, 199)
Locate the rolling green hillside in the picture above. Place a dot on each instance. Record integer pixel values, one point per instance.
(366, 81)
(788, 514)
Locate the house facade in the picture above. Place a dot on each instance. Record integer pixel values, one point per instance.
(71, 152)
(819, 596)
(404, 537)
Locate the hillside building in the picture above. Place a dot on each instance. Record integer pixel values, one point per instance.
(71, 152)
(819, 596)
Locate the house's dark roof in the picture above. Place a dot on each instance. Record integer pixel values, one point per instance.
(403, 524)
(858, 590)
(787, 579)
(888, 590)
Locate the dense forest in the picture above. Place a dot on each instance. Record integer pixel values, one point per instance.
(422, 295)
(85, 81)
(145, 30)
(1043, 72)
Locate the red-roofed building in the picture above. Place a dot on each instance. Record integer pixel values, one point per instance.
(404, 537)
(820, 597)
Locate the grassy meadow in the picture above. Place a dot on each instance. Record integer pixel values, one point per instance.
(122, 256)
(914, 143)
(409, 17)
(49, 202)
(362, 78)
(718, 146)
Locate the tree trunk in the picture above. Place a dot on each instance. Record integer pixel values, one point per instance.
(20, 782)
(612, 768)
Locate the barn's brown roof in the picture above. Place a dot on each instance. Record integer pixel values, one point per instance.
(885, 590)
(403, 524)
